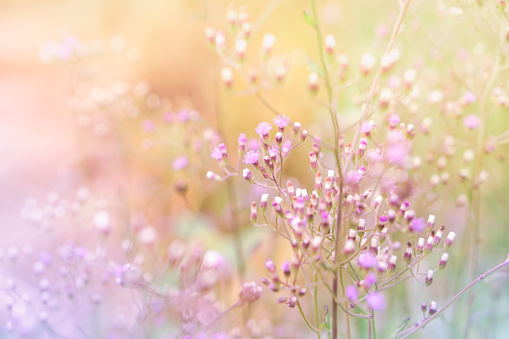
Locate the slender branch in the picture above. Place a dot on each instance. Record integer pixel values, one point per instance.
(423, 323)
(475, 190)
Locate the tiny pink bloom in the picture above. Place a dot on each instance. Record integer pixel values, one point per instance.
(469, 98)
(353, 178)
(367, 127)
(370, 280)
(263, 128)
(242, 139)
(216, 154)
(287, 145)
(351, 293)
(249, 293)
(281, 121)
(394, 120)
(251, 157)
(180, 163)
(397, 153)
(376, 301)
(272, 152)
(285, 267)
(269, 264)
(417, 224)
(184, 115)
(471, 121)
(367, 260)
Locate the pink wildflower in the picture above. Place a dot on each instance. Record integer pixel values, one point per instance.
(180, 163)
(469, 98)
(370, 280)
(251, 157)
(281, 121)
(471, 122)
(216, 154)
(367, 127)
(394, 120)
(397, 152)
(263, 128)
(353, 178)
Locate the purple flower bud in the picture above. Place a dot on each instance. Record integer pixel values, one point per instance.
(407, 257)
(292, 302)
(246, 174)
(443, 261)
(282, 300)
(254, 212)
(382, 221)
(313, 161)
(432, 308)
(285, 267)
(429, 278)
(296, 129)
(242, 142)
(270, 265)
(450, 239)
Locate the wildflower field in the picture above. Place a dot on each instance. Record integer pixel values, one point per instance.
(254, 169)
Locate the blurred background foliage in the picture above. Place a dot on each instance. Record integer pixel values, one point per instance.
(166, 48)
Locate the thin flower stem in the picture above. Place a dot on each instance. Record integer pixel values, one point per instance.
(373, 324)
(417, 260)
(311, 327)
(347, 318)
(423, 323)
(340, 304)
(267, 104)
(315, 302)
(264, 186)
